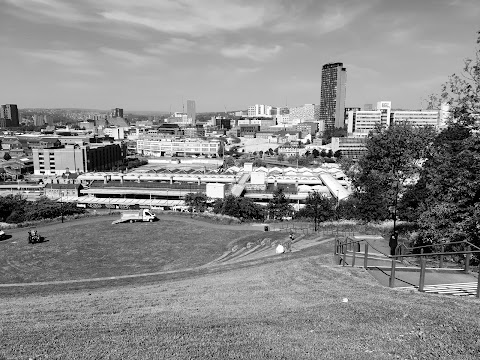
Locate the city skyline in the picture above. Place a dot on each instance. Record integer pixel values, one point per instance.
(89, 54)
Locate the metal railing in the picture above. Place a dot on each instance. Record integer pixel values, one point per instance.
(342, 247)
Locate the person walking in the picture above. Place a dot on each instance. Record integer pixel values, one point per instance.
(393, 243)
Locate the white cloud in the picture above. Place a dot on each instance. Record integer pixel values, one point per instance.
(45, 10)
(127, 57)
(172, 46)
(191, 17)
(252, 52)
(69, 58)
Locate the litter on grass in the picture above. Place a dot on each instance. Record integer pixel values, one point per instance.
(280, 249)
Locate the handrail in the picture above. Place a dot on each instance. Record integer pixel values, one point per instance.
(441, 244)
(341, 249)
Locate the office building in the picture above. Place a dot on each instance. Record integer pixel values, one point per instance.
(166, 147)
(350, 147)
(417, 118)
(333, 93)
(117, 112)
(9, 116)
(191, 112)
(259, 110)
(304, 113)
(78, 158)
(385, 108)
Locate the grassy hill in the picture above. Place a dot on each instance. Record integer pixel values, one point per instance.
(289, 307)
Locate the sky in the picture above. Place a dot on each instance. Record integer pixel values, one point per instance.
(153, 55)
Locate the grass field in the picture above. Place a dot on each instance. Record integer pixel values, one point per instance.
(95, 248)
(285, 307)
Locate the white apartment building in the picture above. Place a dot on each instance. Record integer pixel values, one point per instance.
(259, 110)
(168, 147)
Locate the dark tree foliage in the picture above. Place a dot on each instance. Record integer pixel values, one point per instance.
(15, 209)
(452, 176)
(347, 209)
(337, 132)
(196, 201)
(7, 156)
(318, 208)
(279, 207)
(392, 160)
(451, 173)
(241, 208)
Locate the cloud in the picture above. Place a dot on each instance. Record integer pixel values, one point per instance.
(243, 70)
(127, 57)
(172, 46)
(70, 58)
(187, 17)
(318, 18)
(72, 61)
(439, 48)
(45, 10)
(252, 52)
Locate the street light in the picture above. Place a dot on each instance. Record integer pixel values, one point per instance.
(61, 202)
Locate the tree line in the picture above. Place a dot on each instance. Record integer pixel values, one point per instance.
(16, 209)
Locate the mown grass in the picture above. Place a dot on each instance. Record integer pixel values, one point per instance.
(95, 248)
(286, 309)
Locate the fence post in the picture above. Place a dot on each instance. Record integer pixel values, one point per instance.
(354, 253)
(344, 253)
(421, 284)
(391, 282)
(467, 261)
(478, 283)
(365, 257)
(440, 263)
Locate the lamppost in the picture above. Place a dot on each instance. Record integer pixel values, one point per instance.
(61, 202)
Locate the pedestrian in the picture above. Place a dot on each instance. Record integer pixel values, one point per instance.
(393, 243)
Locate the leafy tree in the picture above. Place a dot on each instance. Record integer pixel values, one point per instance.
(451, 173)
(242, 208)
(337, 154)
(279, 207)
(228, 162)
(392, 159)
(7, 156)
(337, 132)
(196, 201)
(318, 207)
(452, 181)
(315, 153)
(462, 93)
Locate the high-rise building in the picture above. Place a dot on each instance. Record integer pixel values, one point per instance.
(191, 112)
(333, 93)
(117, 112)
(9, 116)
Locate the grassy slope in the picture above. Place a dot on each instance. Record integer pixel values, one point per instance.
(286, 309)
(96, 248)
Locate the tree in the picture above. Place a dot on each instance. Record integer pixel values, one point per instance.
(392, 159)
(196, 201)
(242, 208)
(451, 173)
(318, 207)
(7, 156)
(462, 93)
(279, 207)
(315, 153)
